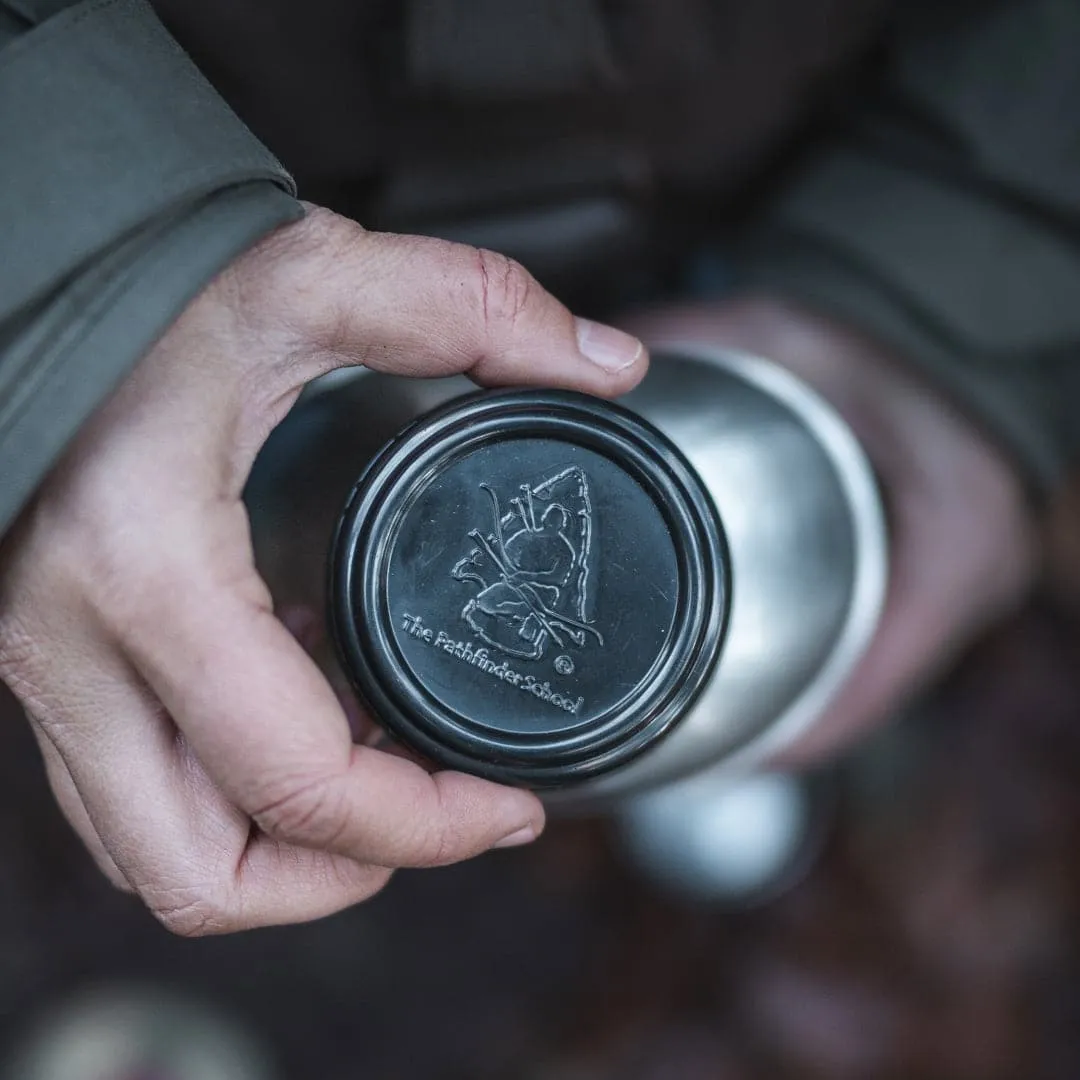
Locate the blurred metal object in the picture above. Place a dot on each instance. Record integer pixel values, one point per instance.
(136, 1033)
(794, 491)
(808, 548)
(733, 844)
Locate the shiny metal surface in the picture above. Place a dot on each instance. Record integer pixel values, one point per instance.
(808, 550)
(733, 844)
(794, 491)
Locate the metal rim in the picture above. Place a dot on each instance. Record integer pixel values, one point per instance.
(367, 532)
(856, 477)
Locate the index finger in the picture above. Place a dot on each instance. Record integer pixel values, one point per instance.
(269, 730)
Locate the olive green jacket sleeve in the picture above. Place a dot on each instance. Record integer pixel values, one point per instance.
(126, 184)
(945, 217)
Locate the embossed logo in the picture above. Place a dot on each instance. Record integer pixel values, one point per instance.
(531, 569)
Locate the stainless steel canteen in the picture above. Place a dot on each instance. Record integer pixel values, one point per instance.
(796, 501)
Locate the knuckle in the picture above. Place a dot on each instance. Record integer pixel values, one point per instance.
(503, 289)
(320, 234)
(18, 650)
(36, 586)
(323, 314)
(428, 846)
(322, 243)
(311, 814)
(285, 292)
(321, 227)
(23, 663)
(193, 912)
(433, 841)
(436, 850)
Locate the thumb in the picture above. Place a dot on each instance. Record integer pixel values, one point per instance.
(418, 306)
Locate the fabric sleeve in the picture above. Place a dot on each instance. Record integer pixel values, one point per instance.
(126, 184)
(944, 219)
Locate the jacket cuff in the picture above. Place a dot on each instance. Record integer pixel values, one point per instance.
(127, 185)
(77, 348)
(106, 125)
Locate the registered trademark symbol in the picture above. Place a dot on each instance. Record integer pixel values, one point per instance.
(564, 665)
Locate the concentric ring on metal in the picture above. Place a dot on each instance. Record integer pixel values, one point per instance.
(529, 585)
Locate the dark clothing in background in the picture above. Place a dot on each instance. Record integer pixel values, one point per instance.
(936, 205)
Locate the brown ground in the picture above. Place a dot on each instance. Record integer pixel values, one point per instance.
(937, 939)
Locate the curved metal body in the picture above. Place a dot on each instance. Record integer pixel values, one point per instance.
(794, 491)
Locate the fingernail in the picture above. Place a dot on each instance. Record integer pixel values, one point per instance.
(607, 347)
(522, 836)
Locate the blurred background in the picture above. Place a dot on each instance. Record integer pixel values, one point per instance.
(937, 935)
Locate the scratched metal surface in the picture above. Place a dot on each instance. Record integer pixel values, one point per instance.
(937, 938)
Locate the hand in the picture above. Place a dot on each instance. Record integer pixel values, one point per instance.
(191, 742)
(962, 545)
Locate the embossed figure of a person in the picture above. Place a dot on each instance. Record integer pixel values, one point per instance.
(532, 567)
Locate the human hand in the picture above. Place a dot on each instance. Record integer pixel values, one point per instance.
(962, 542)
(191, 742)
